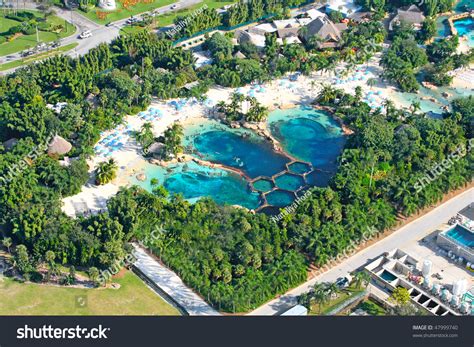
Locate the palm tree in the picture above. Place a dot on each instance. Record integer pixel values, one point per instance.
(7, 242)
(415, 107)
(106, 172)
(93, 274)
(332, 289)
(362, 278)
(327, 93)
(49, 257)
(371, 82)
(320, 294)
(312, 85)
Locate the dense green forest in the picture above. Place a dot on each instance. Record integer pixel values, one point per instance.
(429, 7)
(406, 62)
(242, 12)
(235, 259)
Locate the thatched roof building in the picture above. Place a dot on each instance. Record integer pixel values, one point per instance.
(59, 146)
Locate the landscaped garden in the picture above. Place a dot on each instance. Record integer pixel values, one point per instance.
(18, 31)
(371, 307)
(325, 304)
(169, 17)
(133, 297)
(125, 9)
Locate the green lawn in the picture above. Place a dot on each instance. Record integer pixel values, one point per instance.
(371, 307)
(132, 298)
(37, 57)
(28, 41)
(121, 13)
(346, 294)
(168, 18)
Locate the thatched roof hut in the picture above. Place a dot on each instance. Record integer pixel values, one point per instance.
(155, 148)
(59, 146)
(239, 55)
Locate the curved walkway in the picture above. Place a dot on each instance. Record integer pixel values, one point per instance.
(172, 285)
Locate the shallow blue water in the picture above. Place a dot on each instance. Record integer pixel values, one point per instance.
(308, 135)
(195, 181)
(244, 150)
(464, 5)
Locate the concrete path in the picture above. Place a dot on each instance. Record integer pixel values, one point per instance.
(412, 231)
(172, 285)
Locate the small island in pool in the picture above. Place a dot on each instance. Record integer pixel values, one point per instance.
(240, 167)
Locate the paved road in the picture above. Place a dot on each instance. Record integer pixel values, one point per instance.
(412, 231)
(172, 285)
(100, 33)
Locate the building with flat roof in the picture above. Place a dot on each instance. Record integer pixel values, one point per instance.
(398, 269)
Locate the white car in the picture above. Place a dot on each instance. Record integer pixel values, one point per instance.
(85, 34)
(174, 6)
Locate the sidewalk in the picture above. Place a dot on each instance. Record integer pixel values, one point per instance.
(172, 285)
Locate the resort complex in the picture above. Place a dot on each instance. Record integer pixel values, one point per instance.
(208, 158)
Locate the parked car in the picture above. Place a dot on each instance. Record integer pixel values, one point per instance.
(343, 282)
(85, 34)
(132, 20)
(174, 6)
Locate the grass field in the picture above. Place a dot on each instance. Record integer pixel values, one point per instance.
(27, 41)
(37, 57)
(346, 294)
(122, 13)
(167, 19)
(132, 298)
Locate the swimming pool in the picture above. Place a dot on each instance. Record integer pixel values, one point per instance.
(388, 276)
(461, 235)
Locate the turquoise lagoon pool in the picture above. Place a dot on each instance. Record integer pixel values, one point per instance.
(304, 133)
(465, 27)
(309, 135)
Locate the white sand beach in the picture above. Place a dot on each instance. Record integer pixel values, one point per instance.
(284, 93)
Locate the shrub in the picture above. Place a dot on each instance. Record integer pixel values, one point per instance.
(21, 16)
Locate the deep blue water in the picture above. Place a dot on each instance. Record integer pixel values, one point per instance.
(309, 135)
(252, 155)
(465, 27)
